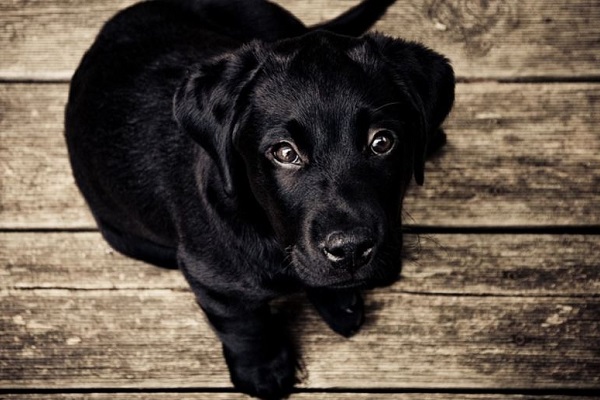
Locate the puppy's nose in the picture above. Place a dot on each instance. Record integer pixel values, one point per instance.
(349, 249)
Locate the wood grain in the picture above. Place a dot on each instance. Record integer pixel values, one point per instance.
(501, 265)
(491, 39)
(158, 338)
(46, 39)
(296, 396)
(518, 155)
(35, 177)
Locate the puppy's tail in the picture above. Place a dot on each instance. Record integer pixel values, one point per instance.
(356, 20)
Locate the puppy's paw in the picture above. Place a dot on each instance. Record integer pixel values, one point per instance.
(266, 377)
(342, 310)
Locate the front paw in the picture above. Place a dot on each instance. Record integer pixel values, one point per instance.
(343, 310)
(268, 375)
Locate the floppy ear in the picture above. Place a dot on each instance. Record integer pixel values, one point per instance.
(208, 104)
(429, 79)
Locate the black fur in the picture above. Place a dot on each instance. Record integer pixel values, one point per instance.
(174, 121)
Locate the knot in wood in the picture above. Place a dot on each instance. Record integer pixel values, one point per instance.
(474, 23)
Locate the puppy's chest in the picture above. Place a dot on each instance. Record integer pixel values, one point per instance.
(242, 261)
(262, 266)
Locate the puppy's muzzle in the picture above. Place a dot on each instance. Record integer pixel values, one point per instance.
(349, 249)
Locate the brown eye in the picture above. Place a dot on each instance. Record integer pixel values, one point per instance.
(285, 154)
(382, 142)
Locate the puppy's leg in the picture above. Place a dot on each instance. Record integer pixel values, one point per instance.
(343, 310)
(260, 357)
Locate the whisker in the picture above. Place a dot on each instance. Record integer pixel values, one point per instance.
(406, 215)
(435, 241)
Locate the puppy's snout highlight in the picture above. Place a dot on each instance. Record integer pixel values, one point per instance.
(349, 249)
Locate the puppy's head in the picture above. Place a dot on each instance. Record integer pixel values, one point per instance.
(329, 131)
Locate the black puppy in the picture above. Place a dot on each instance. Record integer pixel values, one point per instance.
(257, 155)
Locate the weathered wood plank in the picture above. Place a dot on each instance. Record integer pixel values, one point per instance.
(75, 261)
(297, 396)
(46, 39)
(533, 265)
(507, 39)
(56, 338)
(158, 338)
(35, 179)
(518, 155)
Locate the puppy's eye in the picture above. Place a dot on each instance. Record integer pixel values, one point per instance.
(285, 154)
(382, 142)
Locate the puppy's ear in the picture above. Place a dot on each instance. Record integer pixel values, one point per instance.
(208, 105)
(429, 80)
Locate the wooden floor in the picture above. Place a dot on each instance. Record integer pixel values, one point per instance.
(500, 298)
